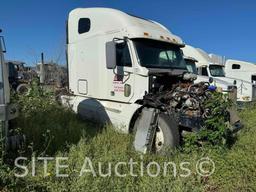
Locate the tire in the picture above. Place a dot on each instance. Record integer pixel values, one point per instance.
(170, 134)
(22, 89)
(167, 134)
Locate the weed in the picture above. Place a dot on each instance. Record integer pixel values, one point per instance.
(53, 130)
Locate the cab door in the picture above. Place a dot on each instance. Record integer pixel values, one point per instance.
(121, 79)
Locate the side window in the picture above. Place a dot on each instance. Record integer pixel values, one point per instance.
(84, 25)
(236, 66)
(204, 71)
(123, 57)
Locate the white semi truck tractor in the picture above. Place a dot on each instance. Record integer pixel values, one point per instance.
(242, 70)
(8, 111)
(210, 69)
(221, 85)
(130, 72)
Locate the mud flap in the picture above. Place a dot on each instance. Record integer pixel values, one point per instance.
(146, 127)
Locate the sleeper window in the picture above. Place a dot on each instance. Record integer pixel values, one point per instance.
(236, 66)
(84, 25)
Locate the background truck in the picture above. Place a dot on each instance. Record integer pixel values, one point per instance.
(234, 68)
(244, 70)
(192, 68)
(131, 74)
(214, 71)
(20, 76)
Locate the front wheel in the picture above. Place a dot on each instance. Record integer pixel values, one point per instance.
(167, 134)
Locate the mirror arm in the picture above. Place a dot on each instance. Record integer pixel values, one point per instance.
(114, 72)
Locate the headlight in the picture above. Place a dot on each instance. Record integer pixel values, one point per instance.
(246, 98)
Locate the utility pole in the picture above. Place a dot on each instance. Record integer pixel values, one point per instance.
(42, 70)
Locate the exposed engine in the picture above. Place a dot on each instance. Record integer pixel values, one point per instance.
(179, 97)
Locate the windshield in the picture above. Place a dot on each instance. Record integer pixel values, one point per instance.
(191, 66)
(157, 54)
(216, 71)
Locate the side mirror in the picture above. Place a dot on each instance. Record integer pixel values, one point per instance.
(210, 80)
(111, 55)
(2, 44)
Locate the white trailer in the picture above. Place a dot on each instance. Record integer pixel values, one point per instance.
(214, 71)
(128, 71)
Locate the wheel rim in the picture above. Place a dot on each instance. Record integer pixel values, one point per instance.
(22, 89)
(159, 139)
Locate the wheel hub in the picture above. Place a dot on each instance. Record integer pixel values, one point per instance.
(159, 140)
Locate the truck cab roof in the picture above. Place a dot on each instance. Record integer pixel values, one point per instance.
(241, 65)
(103, 21)
(190, 59)
(203, 59)
(14, 62)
